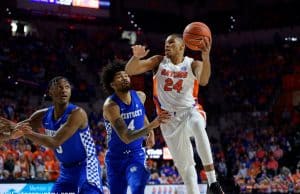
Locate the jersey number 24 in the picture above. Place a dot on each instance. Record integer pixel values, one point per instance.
(170, 85)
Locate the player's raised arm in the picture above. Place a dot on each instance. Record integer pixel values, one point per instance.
(137, 65)
(76, 120)
(202, 69)
(35, 120)
(10, 129)
(111, 112)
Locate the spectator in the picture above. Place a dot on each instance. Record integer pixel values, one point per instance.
(222, 168)
(154, 179)
(9, 165)
(272, 166)
(39, 168)
(51, 168)
(296, 180)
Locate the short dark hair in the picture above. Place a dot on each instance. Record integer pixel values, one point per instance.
(51, 83)
(108, 74)
(54, 80)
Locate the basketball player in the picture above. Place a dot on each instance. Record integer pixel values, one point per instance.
(126, 125)
(69, 135)
(175, 89)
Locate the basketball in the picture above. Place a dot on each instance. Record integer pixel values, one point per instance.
(194, 32)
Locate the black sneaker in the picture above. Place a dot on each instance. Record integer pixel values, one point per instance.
(215, 188)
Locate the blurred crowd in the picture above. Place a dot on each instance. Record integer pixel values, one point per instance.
(259, 134)
(257, 150)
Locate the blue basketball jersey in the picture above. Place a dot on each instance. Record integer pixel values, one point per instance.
(78, 150)
(80, 143)
(133, 114)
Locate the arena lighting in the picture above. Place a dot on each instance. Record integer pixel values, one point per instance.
(231, 23)
(14, 26)
(291, 38)
(132, 22)
(104, 3)
(86, 9)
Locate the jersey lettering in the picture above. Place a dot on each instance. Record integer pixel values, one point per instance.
(169, 86)
(131, 125)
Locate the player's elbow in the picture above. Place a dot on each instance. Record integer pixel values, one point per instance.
(128, 71)
(125, 138)
(203, 82)
(53, 146)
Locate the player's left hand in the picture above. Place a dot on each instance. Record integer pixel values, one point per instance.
(9, 129)
(25, 128)
(150, 141)
(6, 125)
(16, 134)
(162, 117)
(206, 47)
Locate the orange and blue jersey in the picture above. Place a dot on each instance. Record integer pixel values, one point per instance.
(175, 87)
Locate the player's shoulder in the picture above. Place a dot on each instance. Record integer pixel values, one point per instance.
(156, 59)
(78, 113)
(78, 109)
(110, 107)
(189, 59)
(109, 103)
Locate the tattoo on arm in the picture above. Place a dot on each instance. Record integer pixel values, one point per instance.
(120, 123)
(129, 135)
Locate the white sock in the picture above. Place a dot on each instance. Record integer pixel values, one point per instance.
(211, 176)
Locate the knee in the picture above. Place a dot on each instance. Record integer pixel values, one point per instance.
(137, 179)
(188, 174)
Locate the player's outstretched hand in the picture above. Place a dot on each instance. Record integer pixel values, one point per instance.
(6, 125)
(17, 133)
(24, 128)
(8, 130)
(162, 117)
(139, 51)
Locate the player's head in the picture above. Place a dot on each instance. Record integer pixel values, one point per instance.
(59, 89)
(174, 45)
(115, 79)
